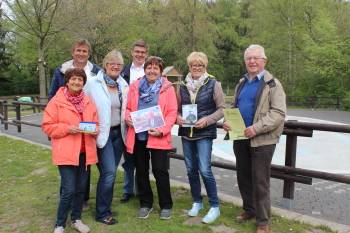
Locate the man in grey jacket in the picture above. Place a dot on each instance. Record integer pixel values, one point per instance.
(262, 103)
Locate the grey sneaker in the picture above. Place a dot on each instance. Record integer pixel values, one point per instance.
(165, 214)
(58, 230)
(144, 212)
(80, 226)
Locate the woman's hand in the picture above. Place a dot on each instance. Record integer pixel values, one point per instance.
(129, 122)
(226, 127)
(73, 130)
(179, 120)
(201, 123)
(95, 133)
(155, 133)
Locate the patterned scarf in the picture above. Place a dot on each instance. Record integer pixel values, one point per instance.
(114, 83)
(77, 100)
(194, 85)
(148, 92)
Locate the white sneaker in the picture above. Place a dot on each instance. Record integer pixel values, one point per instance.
(80, 226)
(58, 230)
(196, 207)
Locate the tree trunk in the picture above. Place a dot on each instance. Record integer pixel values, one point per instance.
(41, 68)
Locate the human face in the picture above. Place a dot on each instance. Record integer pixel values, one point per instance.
(139, 55)
(75, 84)
(113, 68)
(196, 70)
(80, 55)
(254, 62)
(152, 73)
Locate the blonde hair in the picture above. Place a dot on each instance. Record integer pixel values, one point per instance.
(113, 55)
(197, 57)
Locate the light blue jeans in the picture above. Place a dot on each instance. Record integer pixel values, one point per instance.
(108, 159)
(198, 161)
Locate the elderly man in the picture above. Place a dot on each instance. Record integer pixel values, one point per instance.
(131, 73)
(81, 51)
(260, 98)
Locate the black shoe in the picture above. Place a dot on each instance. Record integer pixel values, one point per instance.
(108, 220)
(126, 197)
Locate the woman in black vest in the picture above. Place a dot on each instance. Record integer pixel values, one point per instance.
(200, 97)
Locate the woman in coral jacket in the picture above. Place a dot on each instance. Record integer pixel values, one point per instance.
(72, 150)
(148, 91)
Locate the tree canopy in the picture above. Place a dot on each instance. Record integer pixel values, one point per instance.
(307, 42)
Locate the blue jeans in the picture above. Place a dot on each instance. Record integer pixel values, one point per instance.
(73, 185)
(129, 171)
(198, 160)
(108, 160)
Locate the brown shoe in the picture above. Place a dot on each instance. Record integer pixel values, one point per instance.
(263, 229)
(244, 217)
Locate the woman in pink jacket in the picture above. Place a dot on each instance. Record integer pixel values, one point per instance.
(149, 91)
(72, 150)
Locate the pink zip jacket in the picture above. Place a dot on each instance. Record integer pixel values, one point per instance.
(168, 104)
(59, 116)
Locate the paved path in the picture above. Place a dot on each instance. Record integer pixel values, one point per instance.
(322, 200)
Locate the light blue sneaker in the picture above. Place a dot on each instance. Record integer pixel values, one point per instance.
(212, 215)
(196, 207)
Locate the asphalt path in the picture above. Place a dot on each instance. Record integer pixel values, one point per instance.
(323, 199)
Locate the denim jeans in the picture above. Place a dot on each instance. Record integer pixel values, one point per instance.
(198, 160)
(73, 185)
(108, 159)
(129, 171)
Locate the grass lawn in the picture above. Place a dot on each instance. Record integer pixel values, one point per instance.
(29, 186)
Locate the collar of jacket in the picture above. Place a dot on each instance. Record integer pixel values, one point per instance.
(166, 84)
(61, 99)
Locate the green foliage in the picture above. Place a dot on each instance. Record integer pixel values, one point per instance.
(307, 42)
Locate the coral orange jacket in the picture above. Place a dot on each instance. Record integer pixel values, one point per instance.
(59, 116)
(168, 104)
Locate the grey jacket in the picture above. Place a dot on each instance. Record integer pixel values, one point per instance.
(270, 111)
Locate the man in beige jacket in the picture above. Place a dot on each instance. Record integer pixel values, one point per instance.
(262, 103)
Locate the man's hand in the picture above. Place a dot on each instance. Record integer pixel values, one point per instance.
(250, 132)
(226, 127)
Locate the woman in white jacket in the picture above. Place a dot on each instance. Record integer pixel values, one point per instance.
(109, 92)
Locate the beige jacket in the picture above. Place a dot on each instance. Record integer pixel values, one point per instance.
(270, 112)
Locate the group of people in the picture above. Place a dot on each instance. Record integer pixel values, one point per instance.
(83, 92)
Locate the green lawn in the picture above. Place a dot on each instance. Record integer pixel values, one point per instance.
(29, 186)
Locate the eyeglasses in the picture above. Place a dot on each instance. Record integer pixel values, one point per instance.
(197, 65)
(253, 58)
(115, 64)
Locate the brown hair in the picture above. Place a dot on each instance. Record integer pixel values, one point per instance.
(74, 72)
(140, 43)
(153, 60)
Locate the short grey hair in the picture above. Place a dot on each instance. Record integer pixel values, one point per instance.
(256, 47)
(198, 57)
(113, 55)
